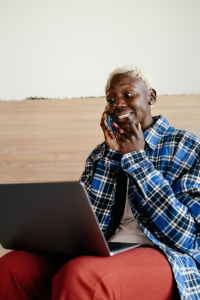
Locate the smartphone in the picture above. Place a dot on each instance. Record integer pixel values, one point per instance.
(110, 125)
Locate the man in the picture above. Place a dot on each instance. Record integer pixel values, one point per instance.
(162, 167)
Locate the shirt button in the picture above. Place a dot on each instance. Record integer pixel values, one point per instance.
(125, 167)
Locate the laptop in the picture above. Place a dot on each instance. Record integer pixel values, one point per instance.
(52, 217)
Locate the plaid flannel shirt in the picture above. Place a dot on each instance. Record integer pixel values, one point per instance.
(164, 194)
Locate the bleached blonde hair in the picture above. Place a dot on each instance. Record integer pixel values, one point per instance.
(135, 72)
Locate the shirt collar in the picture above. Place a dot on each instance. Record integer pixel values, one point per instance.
(155, 132)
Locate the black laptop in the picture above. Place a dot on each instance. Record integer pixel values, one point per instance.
(54, 217)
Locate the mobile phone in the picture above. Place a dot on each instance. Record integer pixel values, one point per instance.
(110, 125)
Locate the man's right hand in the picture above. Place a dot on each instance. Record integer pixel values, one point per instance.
(109, 141)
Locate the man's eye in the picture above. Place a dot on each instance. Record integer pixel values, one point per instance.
(110, 100)
(128, 95)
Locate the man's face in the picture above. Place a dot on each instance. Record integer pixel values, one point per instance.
(128, 97)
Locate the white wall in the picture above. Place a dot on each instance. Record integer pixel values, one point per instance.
(66, 48)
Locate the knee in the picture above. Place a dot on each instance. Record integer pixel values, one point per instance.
(73, 271)
(14, 263)
(23, 275)
(74, 280)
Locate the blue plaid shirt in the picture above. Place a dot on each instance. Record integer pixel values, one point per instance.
(164, 194)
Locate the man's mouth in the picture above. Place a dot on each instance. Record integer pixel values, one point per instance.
(123, 116)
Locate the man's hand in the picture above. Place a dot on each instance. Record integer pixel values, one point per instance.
(109, 141)
(132, 139)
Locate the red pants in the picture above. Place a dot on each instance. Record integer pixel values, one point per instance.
(141, 273)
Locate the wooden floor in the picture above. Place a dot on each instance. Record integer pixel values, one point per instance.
(49, 140)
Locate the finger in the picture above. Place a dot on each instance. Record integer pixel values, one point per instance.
(119, 142)
(123, 137)
(120, 130)
(118, 136)
(106, 133)
(128, 132)
(103, 126)
(104, 116)
(105, 130)
(133, 128)
(119, 133)
(139, 128)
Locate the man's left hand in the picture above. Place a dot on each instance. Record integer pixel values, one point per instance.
(132, 139)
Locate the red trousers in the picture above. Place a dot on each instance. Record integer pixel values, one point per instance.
(141, 273)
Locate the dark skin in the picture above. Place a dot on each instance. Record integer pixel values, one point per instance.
(128, 96)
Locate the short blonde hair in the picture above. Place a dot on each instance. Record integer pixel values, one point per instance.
(133, 71)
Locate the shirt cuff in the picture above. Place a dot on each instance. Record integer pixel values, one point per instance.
(134, 160)
(112, 157)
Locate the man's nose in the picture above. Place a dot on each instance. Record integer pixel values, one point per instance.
(120, 103)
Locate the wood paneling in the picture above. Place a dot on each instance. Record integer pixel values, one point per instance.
(49, 140)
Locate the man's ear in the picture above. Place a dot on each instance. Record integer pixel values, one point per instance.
(152, 96)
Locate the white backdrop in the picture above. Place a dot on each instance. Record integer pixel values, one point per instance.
(66, 48)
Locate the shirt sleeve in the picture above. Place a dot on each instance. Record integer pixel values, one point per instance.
(173, 211)
(99, 178)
